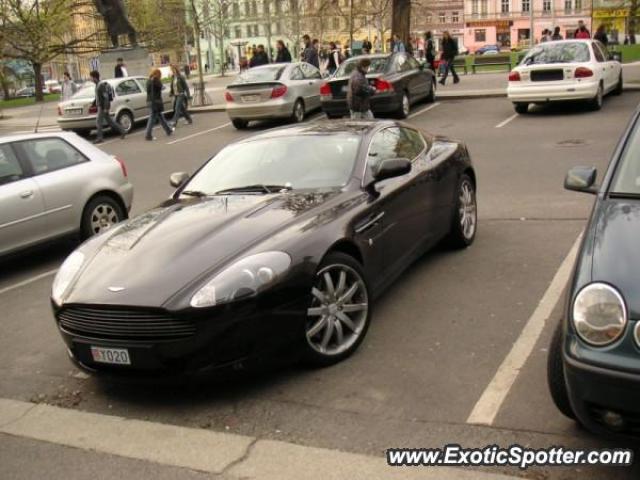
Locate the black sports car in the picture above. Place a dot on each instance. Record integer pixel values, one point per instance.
(594, 358)
(399, 79)
(278, 243)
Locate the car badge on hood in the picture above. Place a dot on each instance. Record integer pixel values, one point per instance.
(116, 289)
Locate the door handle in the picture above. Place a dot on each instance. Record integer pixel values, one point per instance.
(26, 194)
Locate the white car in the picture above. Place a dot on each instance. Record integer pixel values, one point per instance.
(565, 70)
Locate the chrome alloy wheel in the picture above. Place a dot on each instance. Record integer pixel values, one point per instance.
(467, 209)
(406, 106)
(103, 217)
(338, 314)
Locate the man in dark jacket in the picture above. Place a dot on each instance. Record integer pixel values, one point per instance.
(366, 46)
(449, 52)
(283, 55)
(104, 96)
(430, 50)
(120, 70)
(359, 91)
(310, 53)
(260, 57)
(180, 91)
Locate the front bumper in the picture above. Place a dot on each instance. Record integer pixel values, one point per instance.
(381, 104)
(126, 192)
(542, 92)
(252, 111)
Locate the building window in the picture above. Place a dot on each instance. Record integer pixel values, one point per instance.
(429, 18)
(236, 10)
(504, 6)
(254, 8)
(336, 23)
(455, 17)
(567, 6)
(278, 6)
(238, 32)
(480, 35)
(442, 18)
(526, 5)
(475, 10)
(484, 8)
(578, 5)
(546, 6)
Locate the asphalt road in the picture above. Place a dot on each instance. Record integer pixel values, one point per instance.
(439, 334)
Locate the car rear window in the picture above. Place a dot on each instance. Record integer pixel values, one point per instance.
(378, 65)
(571, 52)
(263, 74)
(86, 92)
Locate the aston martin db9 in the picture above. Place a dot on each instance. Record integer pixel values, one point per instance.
(278, 244)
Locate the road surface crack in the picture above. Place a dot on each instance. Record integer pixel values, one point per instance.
(244, 457)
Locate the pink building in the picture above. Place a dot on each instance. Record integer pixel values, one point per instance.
(508, 22)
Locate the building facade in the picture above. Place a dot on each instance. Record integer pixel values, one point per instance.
(437, 16)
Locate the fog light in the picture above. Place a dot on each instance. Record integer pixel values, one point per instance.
(613, 420)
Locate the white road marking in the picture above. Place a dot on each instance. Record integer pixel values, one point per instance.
(420, 112)
(487, 407)
(503, 123)
(28, 281)
(199, 133)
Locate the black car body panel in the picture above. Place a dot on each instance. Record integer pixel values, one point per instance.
(160, 259)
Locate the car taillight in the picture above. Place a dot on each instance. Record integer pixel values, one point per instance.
(583, 72)
(93, 109)
(123, 166)
(514, 77)
(228, 97)
(325, 90)
(383, 86)
(278, 91)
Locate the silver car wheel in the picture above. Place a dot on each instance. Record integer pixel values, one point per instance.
(600, 97)
(406, 106)
(103, 217)
(338, 314)
(298, 111)
(125, 121)
(467, 209)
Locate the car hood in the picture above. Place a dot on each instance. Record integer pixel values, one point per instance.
(615, 249)
(153, 256)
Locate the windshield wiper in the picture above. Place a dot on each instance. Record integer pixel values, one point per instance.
(194, 193)
(259, 187)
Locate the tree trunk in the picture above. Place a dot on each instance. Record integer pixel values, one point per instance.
(633, 19)
(401, 20)
(37, 71)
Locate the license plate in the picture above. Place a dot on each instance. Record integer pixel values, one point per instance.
(114, 356)
(73, 111)
(251, 98)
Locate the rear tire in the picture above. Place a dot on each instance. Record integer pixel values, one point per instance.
(555, 375)
(464, 224)
(619, 86)
(405, 106)
(125, 120)
(298, 112)
(596, 103)
(521, 108)
(431, 97)
(100, 214)
(239, 123)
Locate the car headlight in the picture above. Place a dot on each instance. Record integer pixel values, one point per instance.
(599, 314)
(245, 278)
(66, 274)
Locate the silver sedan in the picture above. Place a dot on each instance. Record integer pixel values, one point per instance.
(129, 105)
(279, 90)
(57, 184)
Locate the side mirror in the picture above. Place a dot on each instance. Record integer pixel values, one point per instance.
(581, 179)
(391, 168)
(178, 179)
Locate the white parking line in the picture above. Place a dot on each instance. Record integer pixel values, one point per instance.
(199, 133)
(28, 281)
(487, 407)
(420, 112)
(503, 123)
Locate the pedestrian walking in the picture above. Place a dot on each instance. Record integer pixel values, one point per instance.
(556, 34)
(310, 53)
(359, 92)
(334, 59)
(104, 96)
(449, 51)
(180, 92)
(68, 87)
(259, 57)
(601, 35)
(187, 70)
(398, 45)
(430, 50)
(156, 105)
(283, 55)
(546, 36)
(366, 46)
(120, 70)
(582, 32)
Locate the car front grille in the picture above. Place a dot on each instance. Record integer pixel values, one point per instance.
(547, 75)
(113, 323)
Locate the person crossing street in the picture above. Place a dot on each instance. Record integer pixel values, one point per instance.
(104, 96)
(180, 92)
(156, 105)
(449, 52)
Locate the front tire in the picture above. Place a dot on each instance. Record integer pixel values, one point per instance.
(100, 214)
(340, 311)
(555, 375)
(125, 120)
(431, 97)
(596, 103)
(298, 112)
(521, 108)
(619, 86)
(405, 106)
(239, 123)
(465, 219)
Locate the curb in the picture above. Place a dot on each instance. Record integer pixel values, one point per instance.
(234, 456)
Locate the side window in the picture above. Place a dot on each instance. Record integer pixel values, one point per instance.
(598, 53)
(402, 63)
(413, 64)
(143, 82)
(128, 87)
(384, 146)
(297, 74)
(50, 154)
(310, 71)
(604, 50)
(412, 143)
(10, 168)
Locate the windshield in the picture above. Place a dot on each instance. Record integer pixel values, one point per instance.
(86, 92)
(303, 161)
(572, 52)
(627, 176)
(378, 65)
(264, 74)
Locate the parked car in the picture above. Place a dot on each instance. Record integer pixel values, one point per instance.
(128, 107)
(52, 86)
(399, 79)
(280, 90)
(268, 250)
(26, 92)
(565, 70)
(593, 364)
(488, 49)
(56, 184)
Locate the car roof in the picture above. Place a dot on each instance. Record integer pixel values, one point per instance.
(30, 136)
(325, 127)
(371, 56)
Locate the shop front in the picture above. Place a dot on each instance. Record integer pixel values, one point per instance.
(614, 21)
(491, 32)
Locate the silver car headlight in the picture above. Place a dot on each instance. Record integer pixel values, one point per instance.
(243, 279)
(66, 275)
(599, 314)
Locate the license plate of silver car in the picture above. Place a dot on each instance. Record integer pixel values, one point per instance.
(113, 356)
(73, 111)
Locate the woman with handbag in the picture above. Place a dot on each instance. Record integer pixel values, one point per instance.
(156, 105)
